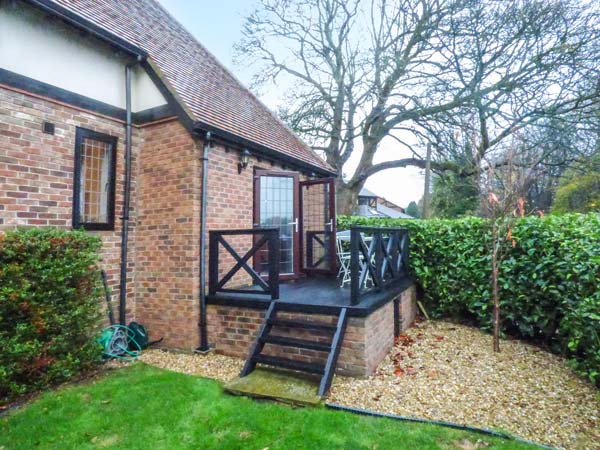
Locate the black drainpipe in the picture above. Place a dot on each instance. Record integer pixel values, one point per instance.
(126, 199)
(202, 323)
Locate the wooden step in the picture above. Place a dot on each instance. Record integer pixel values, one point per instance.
(264, 337)
(301, 324)
(298, 343)
(289, 364)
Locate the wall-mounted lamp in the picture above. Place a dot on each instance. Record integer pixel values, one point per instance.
(244, 158)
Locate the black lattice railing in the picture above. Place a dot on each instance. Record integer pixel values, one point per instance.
(261, 237)
(378, 259)
(317, 249)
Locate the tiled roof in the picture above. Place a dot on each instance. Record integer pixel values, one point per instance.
(390, 212)
(364, 192)
(208, 90)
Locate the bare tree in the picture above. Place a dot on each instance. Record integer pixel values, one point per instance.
(550, 146)
(366, 72)
(502, 203)
(553, 89)
(559, 146)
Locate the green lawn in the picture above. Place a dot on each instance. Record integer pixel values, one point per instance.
(141, 407)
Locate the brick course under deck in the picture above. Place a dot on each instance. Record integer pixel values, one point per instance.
(233, 328)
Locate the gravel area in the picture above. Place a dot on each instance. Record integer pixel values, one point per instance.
(211, 365)
(443, 371)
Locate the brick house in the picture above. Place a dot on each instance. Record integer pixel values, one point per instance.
(105, 103)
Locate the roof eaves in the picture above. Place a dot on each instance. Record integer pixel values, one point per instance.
(88, 26)
(262, 150)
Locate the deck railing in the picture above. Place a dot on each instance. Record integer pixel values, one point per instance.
(259, 238)
(317, 249)
(378, 259)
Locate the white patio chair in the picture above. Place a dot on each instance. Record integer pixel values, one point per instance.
(343, 256)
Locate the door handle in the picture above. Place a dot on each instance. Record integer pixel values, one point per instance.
(330, 225)
(295, 223)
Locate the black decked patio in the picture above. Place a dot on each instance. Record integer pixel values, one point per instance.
(378, 265)
(320, 291)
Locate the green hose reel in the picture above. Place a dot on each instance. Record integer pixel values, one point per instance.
(118, 341)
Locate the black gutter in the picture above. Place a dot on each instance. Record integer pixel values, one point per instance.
(202, 128)
(261, 150)
(83, 24)
(203, 348)
(456, 426)
(126, 199)
(153, 114)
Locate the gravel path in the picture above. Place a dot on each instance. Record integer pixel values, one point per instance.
(211, 365)
(443, 371)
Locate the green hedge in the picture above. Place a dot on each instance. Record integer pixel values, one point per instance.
(49, 307)
(550, 281)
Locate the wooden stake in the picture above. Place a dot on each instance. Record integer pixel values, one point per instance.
(426, 193)
(422, 308)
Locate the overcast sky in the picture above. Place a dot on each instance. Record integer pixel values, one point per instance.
(217, 25)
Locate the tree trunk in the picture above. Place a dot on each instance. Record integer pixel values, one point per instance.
(496, 309)
(495, 290)
(426, 213)
(347, 197)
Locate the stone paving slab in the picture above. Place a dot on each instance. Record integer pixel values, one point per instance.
(281, 385)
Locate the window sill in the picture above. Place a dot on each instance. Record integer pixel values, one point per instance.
(94, 226)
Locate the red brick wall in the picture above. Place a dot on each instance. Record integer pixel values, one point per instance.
(36, 172)
(36, 189)
(167, 240)
(377, 338)
(232, 329)
(408, 308)
(229, 204)
(168, 206)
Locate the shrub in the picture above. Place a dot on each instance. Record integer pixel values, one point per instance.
(49, 307)
(581, 330)
(550, 280)
(581, 194)
(454, 196)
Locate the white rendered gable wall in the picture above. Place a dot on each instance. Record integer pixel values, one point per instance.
(48, 51)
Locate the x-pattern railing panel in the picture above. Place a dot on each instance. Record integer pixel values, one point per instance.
(317, 240)
(379, 259)
(260, 237)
